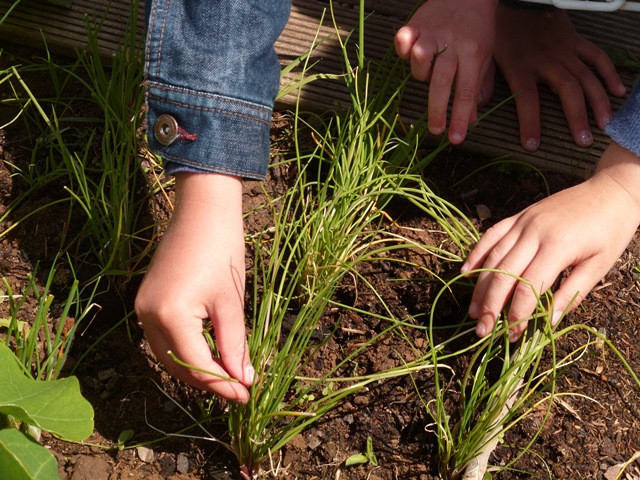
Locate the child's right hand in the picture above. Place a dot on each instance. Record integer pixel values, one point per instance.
(198, 272)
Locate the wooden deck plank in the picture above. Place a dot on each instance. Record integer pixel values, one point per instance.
(64, 31)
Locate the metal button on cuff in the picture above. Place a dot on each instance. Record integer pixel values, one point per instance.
(166, 129)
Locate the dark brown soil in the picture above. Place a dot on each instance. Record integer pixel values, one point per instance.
(589, 431)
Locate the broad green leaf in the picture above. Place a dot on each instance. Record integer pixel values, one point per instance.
(21, 458)
(56, 406)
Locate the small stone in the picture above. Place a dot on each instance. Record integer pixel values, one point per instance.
(484, 213)
(167, 466)
(331, 450)
(182, 464)
(104, 375)
(361, 400)
(313, 442)
(90, 468)
(145, 454)
(607, 448)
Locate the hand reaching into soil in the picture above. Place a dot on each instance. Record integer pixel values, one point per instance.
(198, 272)
(543, 47)
(447, 41)
(586, 227)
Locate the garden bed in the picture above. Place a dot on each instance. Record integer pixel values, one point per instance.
(582, 439)
(590, 431)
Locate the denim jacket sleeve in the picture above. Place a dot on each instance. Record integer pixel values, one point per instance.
(212, 75)
(625, 126)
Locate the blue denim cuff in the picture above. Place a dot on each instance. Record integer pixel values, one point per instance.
(625, 126)
(216, 134)
(212, 75)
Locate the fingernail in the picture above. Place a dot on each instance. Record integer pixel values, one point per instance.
(436, 130)
(481, 330)
(456, 138)
(531, 144)
(513, 335)
(556, 318)
(464, 268)
(622, 89)
(585, 138)
(249, 373)
(474, 311)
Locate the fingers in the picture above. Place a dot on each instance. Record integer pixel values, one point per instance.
(469, 79)
(231, 340)
(404, 40)
(603, 64)
(493, 289)
(524, 87)
(521, 270)
(183, 337)
(444, 71)
(575, 287)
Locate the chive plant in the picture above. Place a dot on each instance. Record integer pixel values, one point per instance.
(325, 226)
(500, 386)
(42, 344)
(97, 157)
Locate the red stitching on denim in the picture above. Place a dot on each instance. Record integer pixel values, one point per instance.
(184, 135)
(208, 109)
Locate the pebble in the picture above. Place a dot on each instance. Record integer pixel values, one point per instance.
(607, 448)
(145, 454)
(182, 464)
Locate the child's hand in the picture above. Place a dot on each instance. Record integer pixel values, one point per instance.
(450, 41)
(586, 227)
(198, 272)
(543, 47)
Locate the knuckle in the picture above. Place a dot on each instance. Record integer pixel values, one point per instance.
(441, 78)
(503, 281)
(466, 93)
(524, 290)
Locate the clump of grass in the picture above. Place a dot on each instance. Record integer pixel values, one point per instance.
(42, 343)
(328, 224)
(501, 385)
(96, 157)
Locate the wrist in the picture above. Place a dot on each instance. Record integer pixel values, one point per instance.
(209, 189)
(623, 167)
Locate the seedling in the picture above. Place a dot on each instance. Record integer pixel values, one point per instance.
(124, 437)
(363, 458)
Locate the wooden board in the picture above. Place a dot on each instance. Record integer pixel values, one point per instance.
(64, 30)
